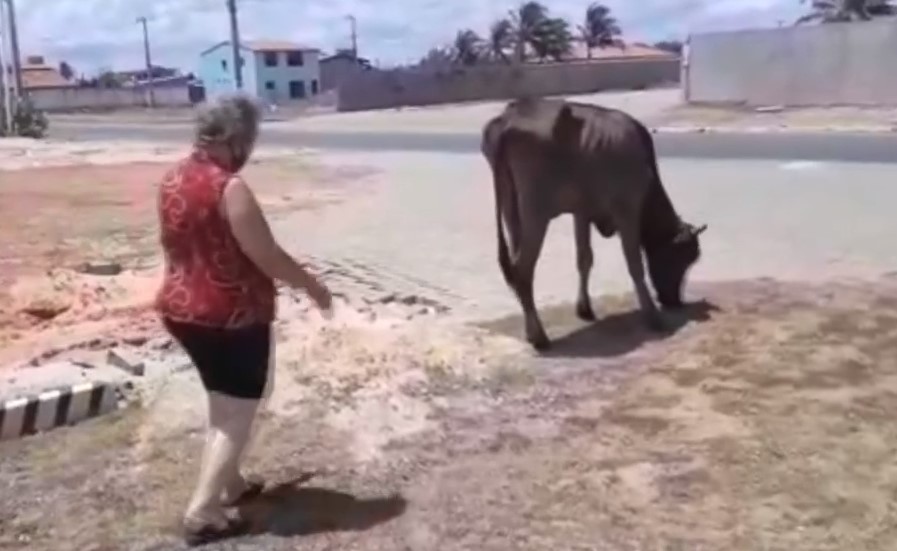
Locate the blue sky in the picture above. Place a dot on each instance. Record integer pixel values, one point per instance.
(92, 34)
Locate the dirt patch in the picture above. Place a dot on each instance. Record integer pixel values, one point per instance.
(54, 219)
(767, 426)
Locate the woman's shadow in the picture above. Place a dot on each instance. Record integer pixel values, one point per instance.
(289, 509)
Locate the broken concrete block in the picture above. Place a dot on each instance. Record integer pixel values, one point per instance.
(127, 360)
(45, 309)
(100, 268)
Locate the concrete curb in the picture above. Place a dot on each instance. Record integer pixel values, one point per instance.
(774, 129)
(51, 409)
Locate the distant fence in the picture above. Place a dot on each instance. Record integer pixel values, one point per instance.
(836, 64)
(407, 87)
(74, 98)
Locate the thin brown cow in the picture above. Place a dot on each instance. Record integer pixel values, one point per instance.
(552, 157)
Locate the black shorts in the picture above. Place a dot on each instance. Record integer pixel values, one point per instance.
(233, 362)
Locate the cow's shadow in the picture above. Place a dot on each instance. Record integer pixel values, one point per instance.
(289, 510)
(619, 333)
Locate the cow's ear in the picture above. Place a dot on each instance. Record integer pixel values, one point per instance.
(688, 232)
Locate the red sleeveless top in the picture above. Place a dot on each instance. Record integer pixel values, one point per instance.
(208, 279)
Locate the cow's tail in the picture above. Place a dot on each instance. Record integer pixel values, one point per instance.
(503, 183)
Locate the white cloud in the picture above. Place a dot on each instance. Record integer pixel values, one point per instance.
(95, 33)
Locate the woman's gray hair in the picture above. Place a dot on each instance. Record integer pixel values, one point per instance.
(231, 119)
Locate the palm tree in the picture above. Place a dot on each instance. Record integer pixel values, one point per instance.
(468, 47)
(600, 29)
(836, 11)
(527, 20)
(437, 58)
(552, 39)
(501, 40)
(66, 71)
(548, 37)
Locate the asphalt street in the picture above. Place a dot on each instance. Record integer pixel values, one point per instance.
(831, 146)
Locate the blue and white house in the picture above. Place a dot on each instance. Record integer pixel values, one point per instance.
(274, 71)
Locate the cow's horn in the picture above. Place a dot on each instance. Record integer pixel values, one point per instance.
(698, 230)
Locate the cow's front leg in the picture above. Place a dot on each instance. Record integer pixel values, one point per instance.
(584, 261)
(532, 238)
(630, 237)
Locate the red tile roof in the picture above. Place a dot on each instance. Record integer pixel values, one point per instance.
(40, 75)
(627, 51)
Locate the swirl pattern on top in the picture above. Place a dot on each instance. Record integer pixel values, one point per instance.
(208, 279)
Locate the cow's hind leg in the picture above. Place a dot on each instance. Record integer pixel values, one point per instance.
(532, 237)
(630, 236)
(584, 261)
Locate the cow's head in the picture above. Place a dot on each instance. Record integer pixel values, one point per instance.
(670, 261)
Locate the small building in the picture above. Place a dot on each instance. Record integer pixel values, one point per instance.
(273, 71)
(36, 74)
(340, 67)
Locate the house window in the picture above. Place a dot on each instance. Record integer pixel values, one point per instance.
(270, 59)
(297, 89)
(295, 59)
(224, 63)
(269, 85)
(314, 87)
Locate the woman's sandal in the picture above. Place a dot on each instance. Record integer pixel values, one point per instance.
(253, 489)
(209, 533)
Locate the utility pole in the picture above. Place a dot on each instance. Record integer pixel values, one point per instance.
(149, 63)
(353, 24)
(5, 88)
(235, 43)
(14, 47)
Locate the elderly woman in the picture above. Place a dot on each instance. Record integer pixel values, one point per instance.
(217, 300)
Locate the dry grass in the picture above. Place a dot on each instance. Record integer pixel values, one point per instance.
(769, 426)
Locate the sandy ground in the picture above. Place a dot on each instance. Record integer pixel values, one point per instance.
(647, 105)
(418, 419)
(809, 119)
(659, 108)
(768, 425)
(72, 204)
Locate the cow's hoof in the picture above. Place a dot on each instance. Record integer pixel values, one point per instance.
(540, 343)
(655, 323)
(584, 311)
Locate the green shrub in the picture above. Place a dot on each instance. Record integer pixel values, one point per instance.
(29, 122)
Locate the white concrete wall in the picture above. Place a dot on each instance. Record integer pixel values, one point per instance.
(71, 98)
(842, 64)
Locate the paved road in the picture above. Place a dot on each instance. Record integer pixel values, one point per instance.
(773, 146)
(788, 220)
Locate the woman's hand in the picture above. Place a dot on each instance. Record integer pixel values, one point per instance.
(320, 294)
